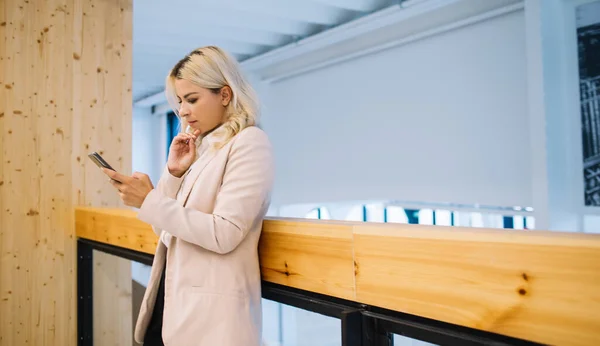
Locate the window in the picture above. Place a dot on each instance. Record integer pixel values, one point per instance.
(443, 217)
(396, 214)
(173, 127)
(375, 213)
(357, 213)
(320, 213)
(426, 217)
(379, 212)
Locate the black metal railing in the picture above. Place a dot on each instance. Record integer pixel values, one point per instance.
(361, 324)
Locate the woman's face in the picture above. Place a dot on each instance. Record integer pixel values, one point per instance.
(202, 108)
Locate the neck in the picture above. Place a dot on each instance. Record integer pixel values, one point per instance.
(210, 131)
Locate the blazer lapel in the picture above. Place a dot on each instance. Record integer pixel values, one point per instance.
(193, 175)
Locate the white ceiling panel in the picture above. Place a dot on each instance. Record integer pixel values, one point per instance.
(165, 31)
(302, 11)
(179, 14)
(358, 5)
(233, 47)
(190, 32)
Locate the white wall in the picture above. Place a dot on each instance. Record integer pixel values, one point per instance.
(443, 119)
(149, 143)
(148, 155)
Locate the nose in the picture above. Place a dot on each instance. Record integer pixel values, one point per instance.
(183, 111)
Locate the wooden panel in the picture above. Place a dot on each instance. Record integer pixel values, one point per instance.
(291, 253)
(539, 286)
(103, 121)
(41, 62)
(118, 227)
(313, 256)
(37, 282)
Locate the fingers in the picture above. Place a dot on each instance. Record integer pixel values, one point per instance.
(115, 175)
(144, 178)
(191, 145)
(116, 184)
(138, 175)
(185, 137)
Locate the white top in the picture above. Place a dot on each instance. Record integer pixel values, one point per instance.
(202, 146)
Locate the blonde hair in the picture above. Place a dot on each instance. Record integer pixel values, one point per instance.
(212, 68)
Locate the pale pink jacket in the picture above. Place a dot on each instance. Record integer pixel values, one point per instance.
(212, 287)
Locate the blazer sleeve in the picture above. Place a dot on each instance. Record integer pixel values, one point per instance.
(240, 203)
(168, 186)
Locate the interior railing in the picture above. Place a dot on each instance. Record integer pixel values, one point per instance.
(444, 285)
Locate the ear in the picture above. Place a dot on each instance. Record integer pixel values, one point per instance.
(226, 94)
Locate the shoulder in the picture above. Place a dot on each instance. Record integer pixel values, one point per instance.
(251, 136)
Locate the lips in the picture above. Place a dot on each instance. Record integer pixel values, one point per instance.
(191, 122)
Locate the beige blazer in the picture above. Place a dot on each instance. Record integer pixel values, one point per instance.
(212, 286)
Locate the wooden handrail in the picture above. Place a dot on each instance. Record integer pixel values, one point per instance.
(533, 285)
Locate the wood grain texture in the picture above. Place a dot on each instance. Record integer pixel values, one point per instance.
(41, 157)
(104, 121)
(119, 227)
(294, 254)
(538, 286)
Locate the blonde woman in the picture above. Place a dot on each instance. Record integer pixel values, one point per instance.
(208, 209)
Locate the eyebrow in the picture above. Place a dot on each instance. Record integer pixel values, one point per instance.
(188, 94)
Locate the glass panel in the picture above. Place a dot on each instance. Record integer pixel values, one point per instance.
(462, 218)
(476, 220)
(518, 222)
(400, 340)
(272, 332)
(355, 214)
(396, 214)
(313, 214)
(285, 325)
(591, 223)
(325, 215)
(530, 222)
(493, 220)
(426, 217)
(113, 304)
(375, 212)
(443, 217)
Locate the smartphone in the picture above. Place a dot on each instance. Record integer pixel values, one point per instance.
(99, 161)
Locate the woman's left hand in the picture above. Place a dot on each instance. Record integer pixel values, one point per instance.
(133, 190)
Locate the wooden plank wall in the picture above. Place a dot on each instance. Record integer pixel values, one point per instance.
(538, 286)
(65, 90)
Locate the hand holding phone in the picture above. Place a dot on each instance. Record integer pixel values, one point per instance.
(132, 190)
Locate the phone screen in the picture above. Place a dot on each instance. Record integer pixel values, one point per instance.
(99, 161)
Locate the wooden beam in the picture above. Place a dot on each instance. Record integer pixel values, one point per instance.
(539, 286)
(315, 257)
(118, 227)
(534, 285)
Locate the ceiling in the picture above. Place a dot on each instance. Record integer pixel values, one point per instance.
(164, 32)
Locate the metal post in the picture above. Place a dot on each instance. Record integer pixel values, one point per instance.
(352, 328)
(374, 334)
(85, 303)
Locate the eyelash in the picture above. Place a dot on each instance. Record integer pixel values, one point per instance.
(191, 101)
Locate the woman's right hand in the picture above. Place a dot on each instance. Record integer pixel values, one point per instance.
(182, 153)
